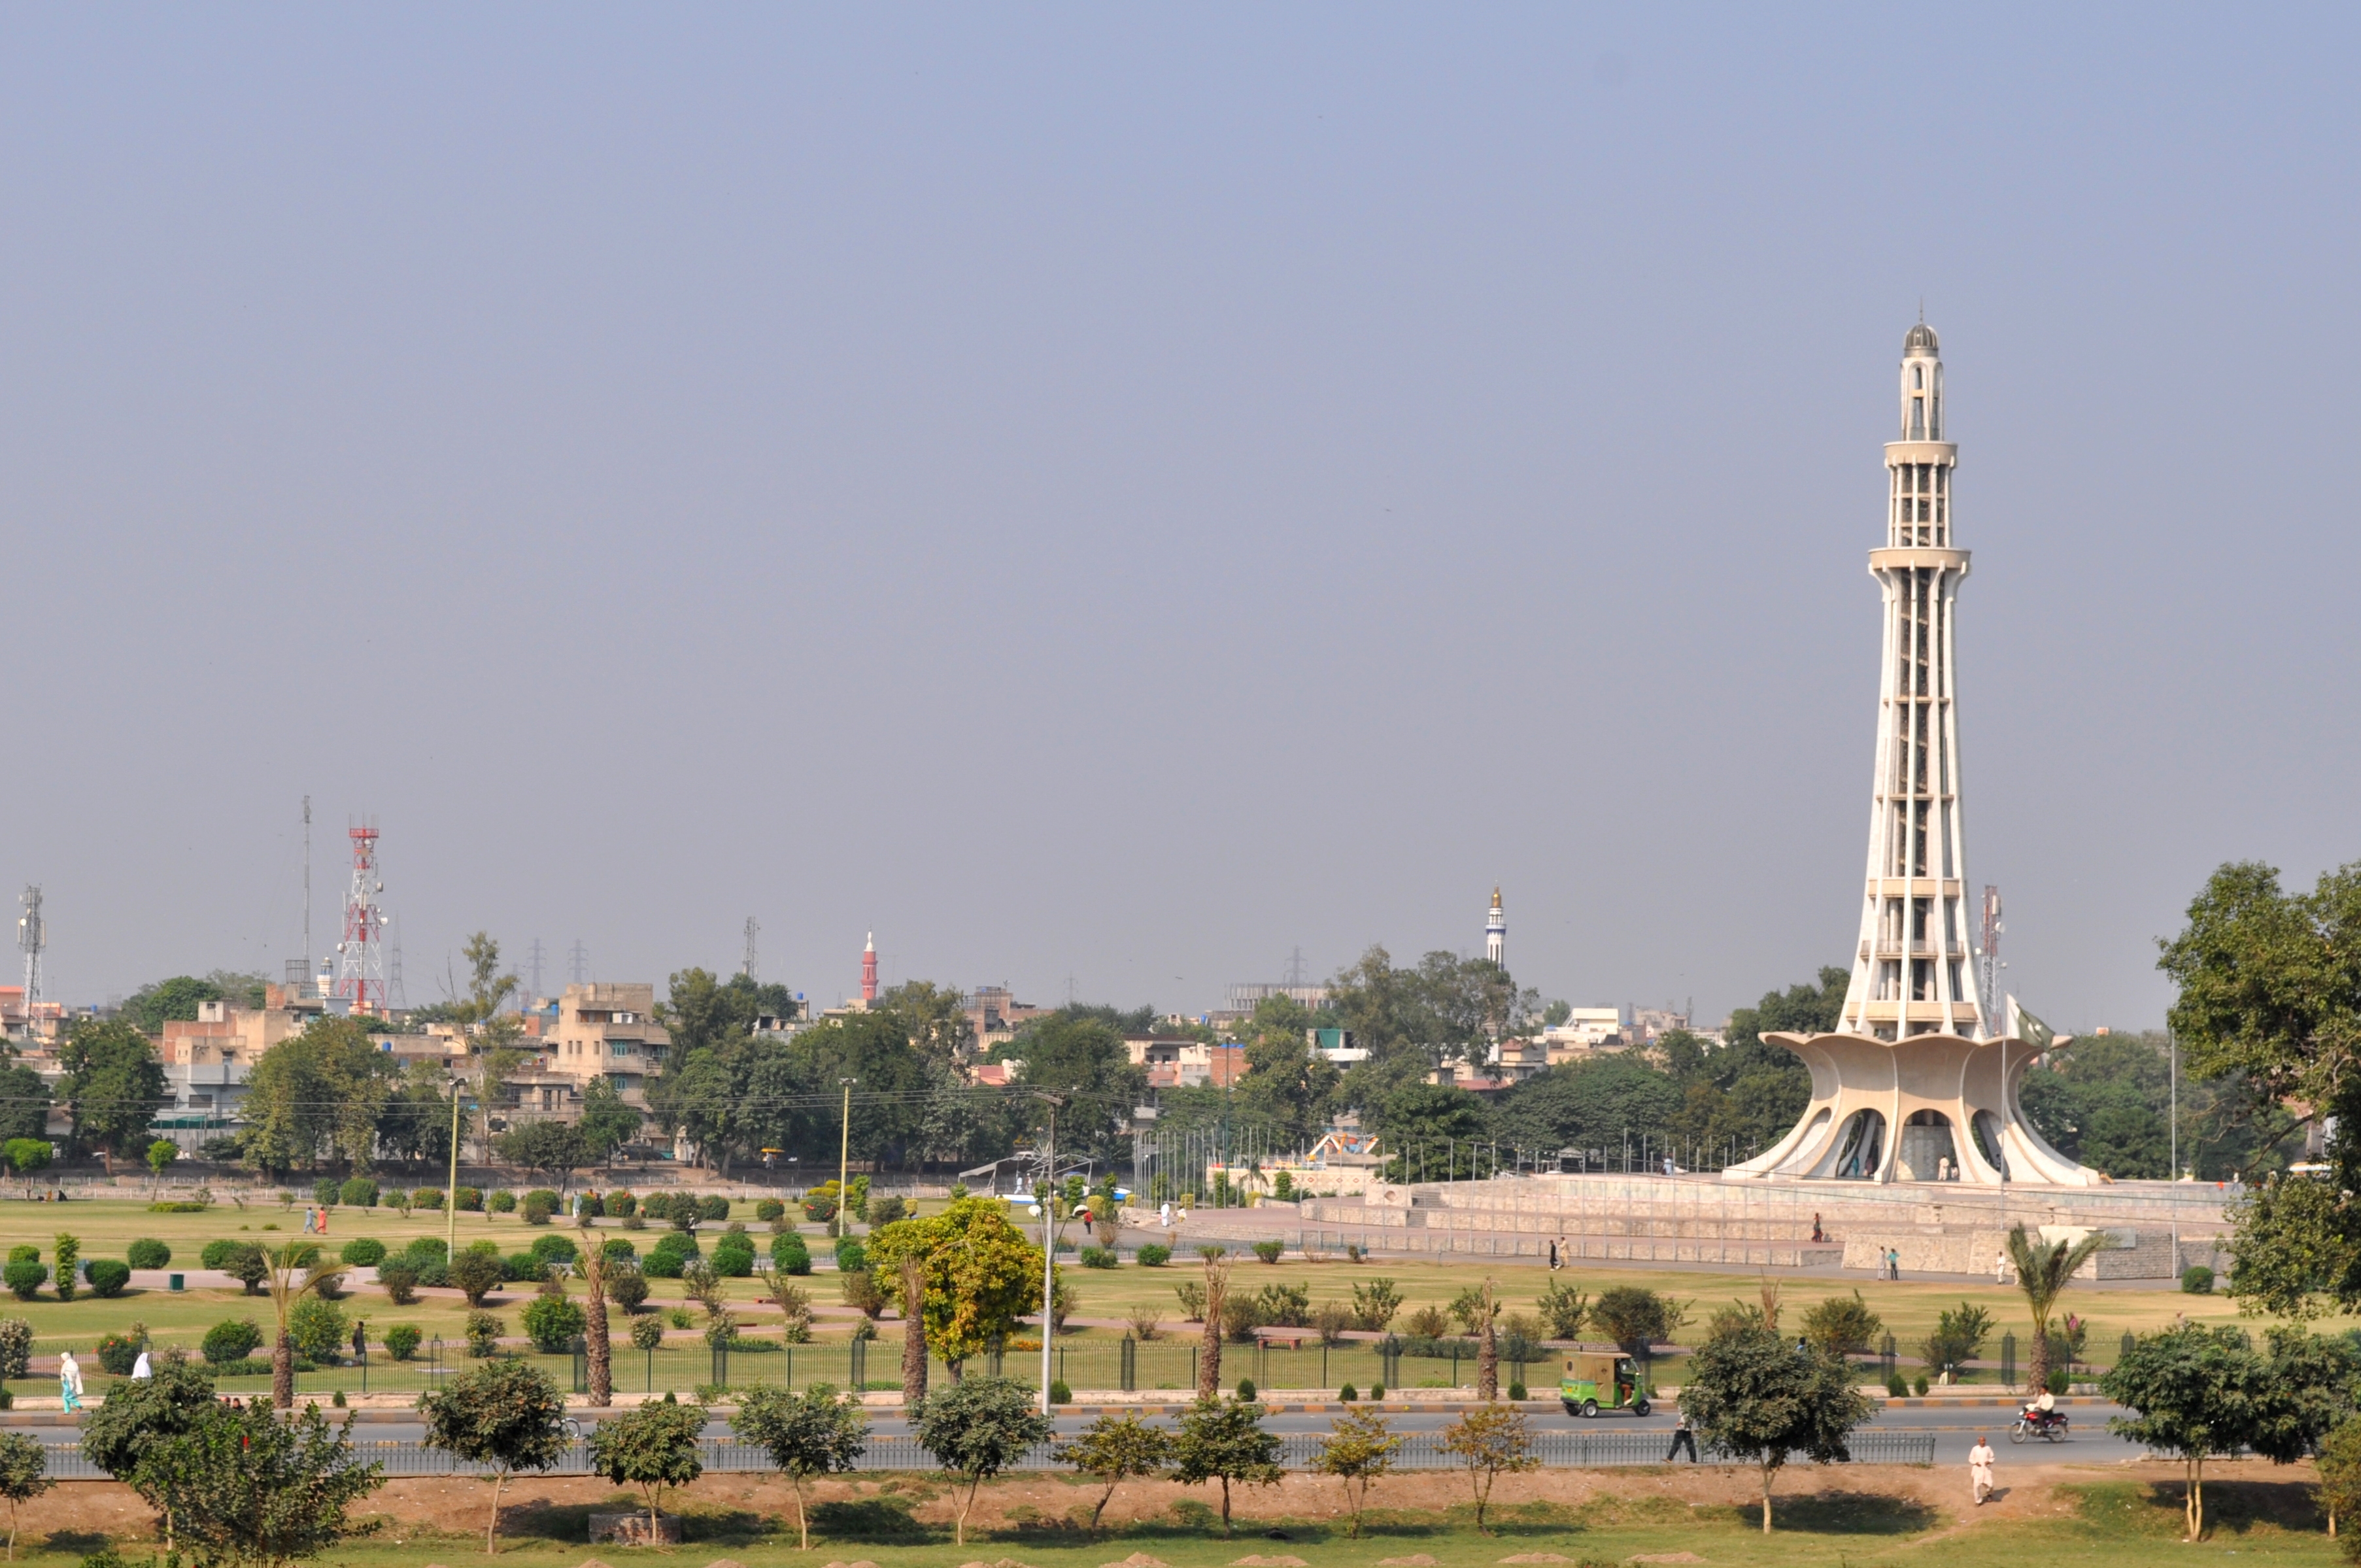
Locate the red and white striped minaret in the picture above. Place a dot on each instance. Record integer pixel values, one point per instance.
(869, 969)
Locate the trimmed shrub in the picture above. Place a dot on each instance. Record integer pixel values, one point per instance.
(647, 1333)
(735, 1263)
(790, 1256)
(1516, 1392)
(107, 1276)
(325, 1191)
(484, 1332)
(398, 1280)
(25, 1278)
(545, 1195)
(217, 1255)
(2197, 1279)
(619, 1249)
(660, 1264)
(363, 1251)
(850, 1254)
(536, 1211)
(427, 1198)
(434, 1273)
(318, 1328)
(471, 1200)
(554, 1249)
(147, 1253)
(477, 1274)
(1059, 1393)
(16, 1347)
(656, 1206)
(627, 1288)
(1347, 1394)
(1268, 1251)
(524, 1268)
(886, 1210)
(502, 1202)
(713, 1207)
(1245, 1390)
(552, 1322)
(769, 1209)
(820, 1210)
(402, 1341)
(1154, 1254)
(424, 1250)
(2059, 1380)
(118, 1353)
(23, 1251)
(622, 1203)
(359, 1192)
(1098, 1257)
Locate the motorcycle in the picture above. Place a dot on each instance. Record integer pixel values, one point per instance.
(2034, 1421)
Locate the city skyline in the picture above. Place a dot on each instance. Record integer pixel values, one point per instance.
(1126, 497)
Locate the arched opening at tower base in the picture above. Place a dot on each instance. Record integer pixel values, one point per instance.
(1928, 1153)
(1859, 1148)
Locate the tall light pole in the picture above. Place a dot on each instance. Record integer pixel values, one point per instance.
(844, 1161)
(1048, 1242)
(451, 1193)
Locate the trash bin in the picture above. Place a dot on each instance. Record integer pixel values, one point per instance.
(179, 1282)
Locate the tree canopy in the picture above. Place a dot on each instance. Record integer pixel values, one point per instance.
(112, 1086)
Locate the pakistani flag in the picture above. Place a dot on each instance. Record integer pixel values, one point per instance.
(2024, 1026)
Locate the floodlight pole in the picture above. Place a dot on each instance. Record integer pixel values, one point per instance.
(1049, 1243)
(844, 1162)
(451, 1191)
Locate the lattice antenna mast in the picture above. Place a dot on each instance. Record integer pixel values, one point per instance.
(307, 889)
(748, 968)
(32, 937)
(360, 957)
(396, 994)
(532, 961)
(578, 958)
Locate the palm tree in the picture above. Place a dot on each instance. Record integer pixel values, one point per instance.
(2043, 1271)
(285, 1291)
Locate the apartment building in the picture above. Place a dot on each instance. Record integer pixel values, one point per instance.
(608, 1029)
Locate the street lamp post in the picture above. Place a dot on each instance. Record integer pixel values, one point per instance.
(1049, 1243)
(451, 1191)
(844, 1161)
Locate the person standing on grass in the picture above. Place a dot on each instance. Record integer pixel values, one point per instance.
(1980, 1469)
(69, 1382)
(1682, 1438)
(2000, 1268)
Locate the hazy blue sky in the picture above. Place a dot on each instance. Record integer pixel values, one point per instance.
(1120, 492)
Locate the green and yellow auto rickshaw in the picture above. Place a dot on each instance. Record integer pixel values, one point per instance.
(1601, 1380)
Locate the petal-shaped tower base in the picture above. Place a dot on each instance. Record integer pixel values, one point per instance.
(1923, 1108)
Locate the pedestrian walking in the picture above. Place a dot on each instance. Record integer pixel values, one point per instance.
(2000, 1268)
(360, 1339)
(1682, 1438)
(1816, 1227)
(1980, 1469)
(69, 1382)
(1554, 1263)
(311, 1218)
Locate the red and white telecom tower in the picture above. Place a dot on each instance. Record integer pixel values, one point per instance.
(869, 969)
(360, 957)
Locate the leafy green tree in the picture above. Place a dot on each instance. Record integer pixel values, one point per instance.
(2340, 1475)
(2316, 1379)
(161, 1156)
(652, 1447)
(1491, 1440)
(249, 1486)
(1359, 1449)
(1222, 1440)
(2195, 1392)
(1843, 1326)
(319, 1095)
(1433, 1129)
(477, 1274)
(557, 1149)
(505, 1414)
(1587, 1104)
(1637, 1319)
(2043, 1270)
(318, 1328)
(932, 1017)
(149, 1008)
(1761, 1400)
(23, 1466)
(112, 1086)
(1069, 1052)
(24, 1104)
(1959, 1336)
(607, 1123)
(1564, 1308)
(981, 1274)
(26, 1156)
(1115, 1449)
(136, 1415)
(978, 1428)
(815, 1433)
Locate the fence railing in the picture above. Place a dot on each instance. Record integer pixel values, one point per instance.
(1419, 1450)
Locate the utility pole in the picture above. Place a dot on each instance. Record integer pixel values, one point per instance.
(844, 1163)
(1049, 1243)
(451, 1193)
(307, 895)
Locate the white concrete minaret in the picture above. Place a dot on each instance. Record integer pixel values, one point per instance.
(1915, 972)
(1496, 932)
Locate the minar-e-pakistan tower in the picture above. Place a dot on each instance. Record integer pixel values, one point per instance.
(1916, 1084)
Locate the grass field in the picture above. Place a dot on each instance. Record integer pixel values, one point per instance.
(106, 1227)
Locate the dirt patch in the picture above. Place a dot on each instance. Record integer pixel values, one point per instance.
(1416, 1560)
(733, 1509)
(1663, 1556)
(1270, 1562)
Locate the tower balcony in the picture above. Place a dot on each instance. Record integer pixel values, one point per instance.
(1925, 949)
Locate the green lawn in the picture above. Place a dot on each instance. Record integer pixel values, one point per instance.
(107, 1226)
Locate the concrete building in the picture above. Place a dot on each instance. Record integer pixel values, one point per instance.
(608, 1029)
(992, 1013)
(1915, 1085)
